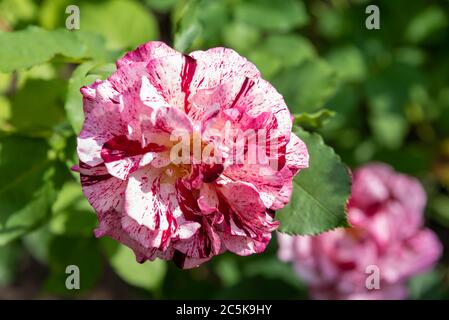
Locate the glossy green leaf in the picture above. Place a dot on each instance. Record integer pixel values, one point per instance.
(320, 192)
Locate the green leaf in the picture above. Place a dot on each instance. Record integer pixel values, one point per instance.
(320, 192)
(213, 17)
(272, 15)
(267, 64)
(148, 275)
(27, 190)
(9, 259)
(184, 14)
(291, 49)
(388, 95)
(199, 23)
(389, 129)
(344, 103)
(331, 23)
(427, 286)
(411, 55)
(35, 46)
(313, 120)
(423, 25)
(185, 38)
(5, 81)
(72, 213)
(349, 63)
(84, 74)
(227, 270)
(240, 36)
(123, 23)
(38, 242)
(51, 13)
(81, 252)
(14, 11)
(281, 51)
(273, 268)
(307, 87)
(37, 107)
(5, 111)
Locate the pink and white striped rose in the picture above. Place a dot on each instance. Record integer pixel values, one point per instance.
(188, 211)
(386, 212)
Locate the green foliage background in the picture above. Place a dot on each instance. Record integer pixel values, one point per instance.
(371, 95)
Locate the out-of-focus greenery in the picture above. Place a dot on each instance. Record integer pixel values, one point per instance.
(373, 95)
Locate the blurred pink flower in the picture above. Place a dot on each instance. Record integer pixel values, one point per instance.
(386, 212)
(189, 211)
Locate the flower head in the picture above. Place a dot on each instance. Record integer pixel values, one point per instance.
(184, 157)
(387, 238)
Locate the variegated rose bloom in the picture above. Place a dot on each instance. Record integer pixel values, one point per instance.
(387, 241)
(189, 211)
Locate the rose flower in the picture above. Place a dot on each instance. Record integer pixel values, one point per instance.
(142, 146)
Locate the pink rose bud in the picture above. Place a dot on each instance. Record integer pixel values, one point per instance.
(185, 157)
(387, 241)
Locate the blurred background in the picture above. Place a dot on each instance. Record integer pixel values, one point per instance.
(389, 89)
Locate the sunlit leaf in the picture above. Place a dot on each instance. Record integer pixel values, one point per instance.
(34, 46)
(37, 107)
(123, 23)
(320, 192)
(72, 214)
